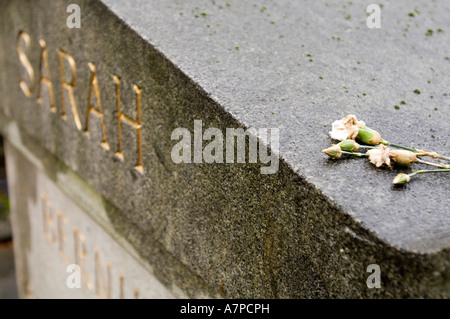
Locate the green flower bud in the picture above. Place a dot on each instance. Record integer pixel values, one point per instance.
(401, 179)
(348, 145)
(368, 136)
(334, 151)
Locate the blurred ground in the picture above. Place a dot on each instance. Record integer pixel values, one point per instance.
(8, 288)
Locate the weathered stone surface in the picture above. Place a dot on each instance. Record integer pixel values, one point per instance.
(311, 229)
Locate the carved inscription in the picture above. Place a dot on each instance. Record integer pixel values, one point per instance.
(44, 78)
(93, 88)
(67, 81)
(100, 282)
(134, 123)
(68, 86)
(23, 40)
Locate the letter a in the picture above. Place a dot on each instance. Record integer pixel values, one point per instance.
(73, 20)
(184, 146)
(374, 20)
(374, 280)
(74, 279)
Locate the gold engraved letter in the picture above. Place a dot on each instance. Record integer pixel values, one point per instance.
(80, 255)
(100, 282)
(45, 79)
(61, 220)
(121, 283)
(49, 230)
(26, 89)
(134, 123)
(93, 86)
(68, 86)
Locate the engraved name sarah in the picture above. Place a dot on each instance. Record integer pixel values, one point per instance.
(27, 84)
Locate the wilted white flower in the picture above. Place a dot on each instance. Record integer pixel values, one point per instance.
(384, 155)
(346, 128)
(403, 157)
(380, 156)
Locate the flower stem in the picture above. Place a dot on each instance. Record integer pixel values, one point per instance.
(368, 146)
(355, 154)
(424, 171)
(443, 157)
(432, 154)
(412, 149)
(399, 146)
(434, 164)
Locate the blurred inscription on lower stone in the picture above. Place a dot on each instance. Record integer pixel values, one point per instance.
(64, 234)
